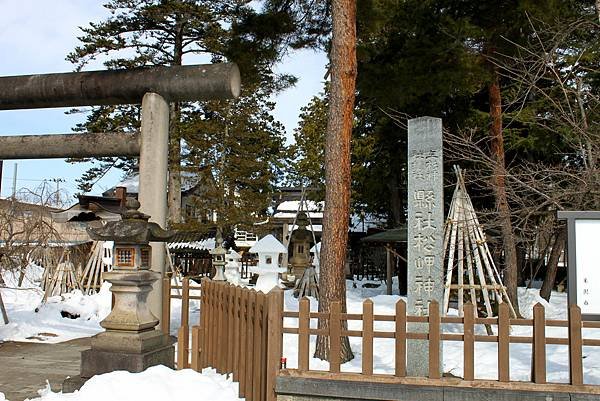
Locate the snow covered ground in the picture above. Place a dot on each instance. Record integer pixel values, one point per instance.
(485, 353)
(48, 325)
(30, 320)
(156, 383)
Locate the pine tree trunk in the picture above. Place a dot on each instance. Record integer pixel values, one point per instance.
(174, 192)
(551, 269)
(332, 280)
(174, 183)
(499, 187)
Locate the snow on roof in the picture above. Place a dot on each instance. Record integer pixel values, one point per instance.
(268, 244)
(292, 206)
(233, 255)
(315, 248)
(292, 215)
(202, 245)
(316, 228)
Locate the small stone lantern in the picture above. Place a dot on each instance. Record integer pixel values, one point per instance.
(232, 267)
(300, 244)
(219, 258)
(131, 341)
(268, 250)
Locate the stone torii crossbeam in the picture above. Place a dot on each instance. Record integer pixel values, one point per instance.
(154, 88)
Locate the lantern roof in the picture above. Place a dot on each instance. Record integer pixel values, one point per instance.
(268, 244)
(133, 228)
(233, 255)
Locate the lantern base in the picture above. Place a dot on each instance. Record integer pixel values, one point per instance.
(97, 361)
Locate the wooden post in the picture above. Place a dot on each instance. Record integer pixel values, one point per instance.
(237, 338)
(335, 332)
(503, 343)
(303, 334)
(166, 306)
(469, 341)
(182, 349)
(434, 340)
(274, 340)
(243, 341)
(196, 349)
(400, 338)
(367, 338)
(185, 302)
(257, 352)
(249, 343)
(539, 344)
(575, 345)
(389, 269)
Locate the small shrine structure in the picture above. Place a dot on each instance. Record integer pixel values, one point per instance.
(268, 270)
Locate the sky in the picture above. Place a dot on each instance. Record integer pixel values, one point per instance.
(36, 36)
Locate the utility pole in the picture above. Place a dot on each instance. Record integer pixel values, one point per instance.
(1, 165)
(57, 181)
(14, 187)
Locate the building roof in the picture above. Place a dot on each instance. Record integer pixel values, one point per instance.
(394, 235)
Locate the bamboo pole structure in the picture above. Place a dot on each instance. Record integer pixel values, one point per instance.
(467, 254)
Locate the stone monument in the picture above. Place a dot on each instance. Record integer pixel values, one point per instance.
(232, 267)
(425, 231)
(130, 341)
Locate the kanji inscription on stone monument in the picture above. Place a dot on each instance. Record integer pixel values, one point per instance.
(425, 230)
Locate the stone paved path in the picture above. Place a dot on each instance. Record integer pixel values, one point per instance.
(25, 367)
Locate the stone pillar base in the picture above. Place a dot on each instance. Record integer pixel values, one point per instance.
(96, 362)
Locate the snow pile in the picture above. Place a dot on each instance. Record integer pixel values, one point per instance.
(31, 279)
(2, 397)
(52, 322)
(156, 383)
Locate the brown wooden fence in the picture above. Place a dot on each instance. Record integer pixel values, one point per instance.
(401, 334)
(239, 332)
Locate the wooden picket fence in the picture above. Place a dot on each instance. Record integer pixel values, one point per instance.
(182, 292)
(239, 332)
(435, 334)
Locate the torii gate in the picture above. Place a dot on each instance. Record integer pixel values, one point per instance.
(154, 87)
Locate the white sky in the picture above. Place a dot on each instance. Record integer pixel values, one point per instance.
(35, 37)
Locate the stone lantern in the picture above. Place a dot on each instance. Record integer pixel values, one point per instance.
(219, 258)
(130, 341)
(300, 245)
(268, 250)
(232, 267)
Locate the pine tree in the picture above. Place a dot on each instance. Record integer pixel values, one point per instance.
(165, 32)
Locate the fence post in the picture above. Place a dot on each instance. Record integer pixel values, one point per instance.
(575, 346)
(182, 350)
(400, 338)
(196, 348)
(166, 310)
(434, 340)
(274, 340)
(503, 343)
(335, 333)
(539, 344)
(367, 338)
(303, 334)
(469, 341)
